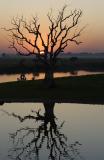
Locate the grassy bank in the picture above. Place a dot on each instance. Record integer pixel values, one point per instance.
(84, 89)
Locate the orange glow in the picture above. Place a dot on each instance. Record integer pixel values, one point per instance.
(93, 37)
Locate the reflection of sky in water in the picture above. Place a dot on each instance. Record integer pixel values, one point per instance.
(13, 77)
(83, 123)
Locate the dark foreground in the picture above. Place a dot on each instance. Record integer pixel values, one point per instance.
(84, 89)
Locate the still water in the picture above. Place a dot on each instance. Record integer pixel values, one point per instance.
(30, 76)
(74, 132)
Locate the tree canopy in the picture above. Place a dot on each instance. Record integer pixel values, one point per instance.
(26, 36)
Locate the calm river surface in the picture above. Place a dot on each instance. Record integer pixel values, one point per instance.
(77, 133)
(74, 132)
(13, 77)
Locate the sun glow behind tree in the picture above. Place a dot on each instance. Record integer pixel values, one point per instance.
(63, 30)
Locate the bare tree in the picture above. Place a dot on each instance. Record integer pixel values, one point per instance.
(26, 36)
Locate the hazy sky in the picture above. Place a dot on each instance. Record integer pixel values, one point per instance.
(93, 15)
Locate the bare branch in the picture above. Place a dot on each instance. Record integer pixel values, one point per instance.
(62, 31)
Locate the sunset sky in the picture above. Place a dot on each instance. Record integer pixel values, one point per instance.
(93, 16)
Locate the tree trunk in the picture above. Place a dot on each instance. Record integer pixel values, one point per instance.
(49, 77)
(49, 117)
(49, 110)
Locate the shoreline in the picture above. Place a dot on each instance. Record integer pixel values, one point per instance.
(40, 100)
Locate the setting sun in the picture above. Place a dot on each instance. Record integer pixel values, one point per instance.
(41, 52)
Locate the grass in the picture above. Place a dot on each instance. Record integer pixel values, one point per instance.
(83, 89)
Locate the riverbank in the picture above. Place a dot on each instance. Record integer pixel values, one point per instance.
(84, 89)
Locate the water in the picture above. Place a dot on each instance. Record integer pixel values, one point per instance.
(14, 77)
(77, 131)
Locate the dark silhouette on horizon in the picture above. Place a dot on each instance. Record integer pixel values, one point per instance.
(22, 77)
(28, 142)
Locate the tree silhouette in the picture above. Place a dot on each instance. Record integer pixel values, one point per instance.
(26, 37)
(28, 142)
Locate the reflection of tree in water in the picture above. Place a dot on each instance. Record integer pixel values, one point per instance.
(28, 143)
